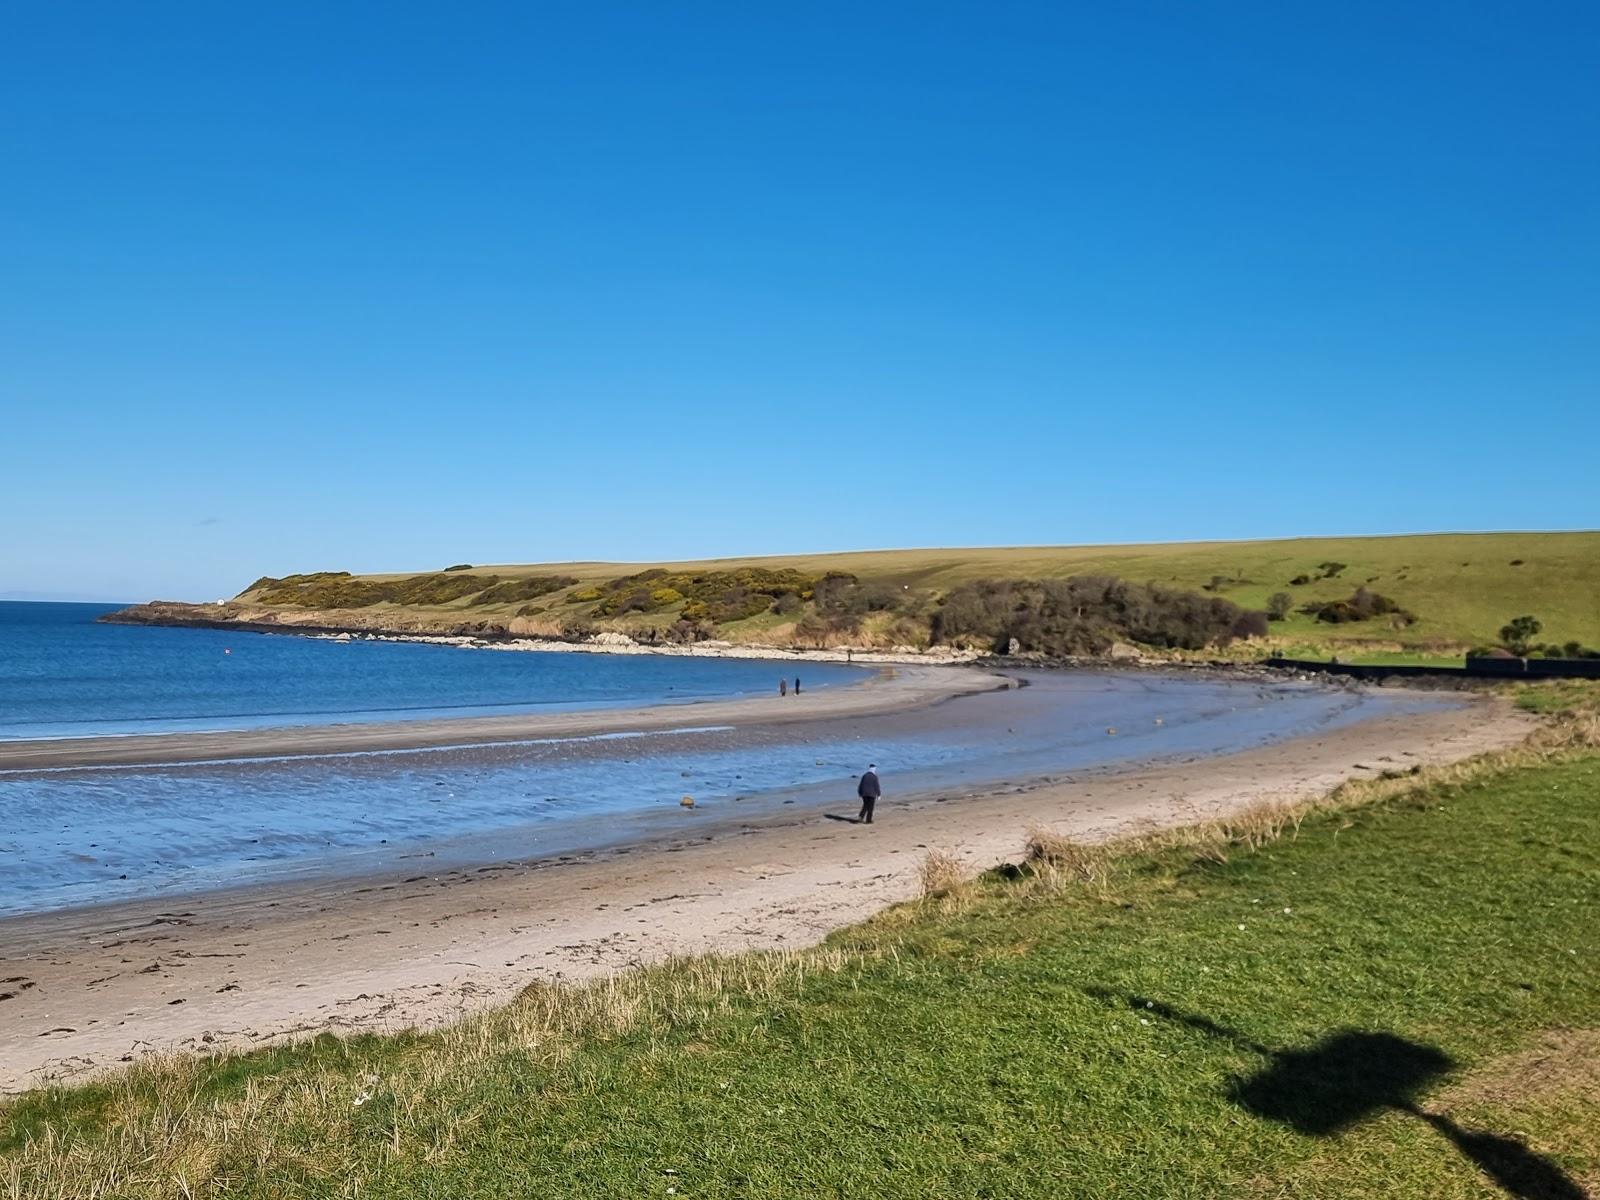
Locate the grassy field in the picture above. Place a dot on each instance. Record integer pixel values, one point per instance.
(1462, 587)
(1395, 993)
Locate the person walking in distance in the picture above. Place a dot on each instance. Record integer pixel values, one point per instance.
(783, 687)
(797, 685)
(869, 789)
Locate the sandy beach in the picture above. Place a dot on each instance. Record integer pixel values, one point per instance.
(90, 988)
(891, 689)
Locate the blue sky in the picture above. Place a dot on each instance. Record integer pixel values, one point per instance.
(292, 287)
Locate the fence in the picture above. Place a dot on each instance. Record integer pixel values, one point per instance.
(1474, 668)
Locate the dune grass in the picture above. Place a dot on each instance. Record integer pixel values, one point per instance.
(1392, 992)
(1462, 587)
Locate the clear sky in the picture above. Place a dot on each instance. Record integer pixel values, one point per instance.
(304, 286)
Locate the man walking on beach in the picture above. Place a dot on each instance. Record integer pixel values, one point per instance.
(869, 789)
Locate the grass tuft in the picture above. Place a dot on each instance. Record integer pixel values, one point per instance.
(941, 874)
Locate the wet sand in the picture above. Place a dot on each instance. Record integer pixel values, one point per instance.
(891, 689)
(85, 989)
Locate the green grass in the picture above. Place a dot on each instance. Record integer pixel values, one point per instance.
(1032, 1038)
(1553, 697)
(1403, 658)
(1312, 647)
(1463, 587)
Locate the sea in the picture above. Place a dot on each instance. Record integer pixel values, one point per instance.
(82, 836)
(63, 673)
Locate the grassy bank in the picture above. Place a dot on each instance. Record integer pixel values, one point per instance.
(1396, 992)
(1456, 592)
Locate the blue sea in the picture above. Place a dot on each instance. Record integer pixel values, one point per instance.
(92, 835)
(62, 674)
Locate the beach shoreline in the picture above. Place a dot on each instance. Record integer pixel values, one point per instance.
(889, 689)
(91, 988)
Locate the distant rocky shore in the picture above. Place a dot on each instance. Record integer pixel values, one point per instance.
(490, 634)
(256, 618)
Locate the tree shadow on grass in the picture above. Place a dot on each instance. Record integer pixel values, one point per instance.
(1349, 1075)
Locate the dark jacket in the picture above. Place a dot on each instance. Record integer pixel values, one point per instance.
(869, 788)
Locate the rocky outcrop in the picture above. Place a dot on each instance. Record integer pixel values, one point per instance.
(262, 619)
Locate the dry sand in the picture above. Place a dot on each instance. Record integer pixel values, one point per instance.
(89, 989)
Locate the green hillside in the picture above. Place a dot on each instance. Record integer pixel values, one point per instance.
(1459, 588)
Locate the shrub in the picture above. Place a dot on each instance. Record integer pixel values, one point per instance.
(1085, 615)
(1516, 633)
(788, 604)
(440, 588)
(340, 589)
(459, 567)
(585, 595)
(1249, 624)
(738, 603)
(1279, 605)
(879, 597)
(837, 592)
(1362, 605)
(1331, 569)
(634, 600)
(1300, 581)
(531, 588)
(832, 590)
(725, 595)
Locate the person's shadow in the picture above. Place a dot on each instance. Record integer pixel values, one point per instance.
(1351, 1074)
(842, 817)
